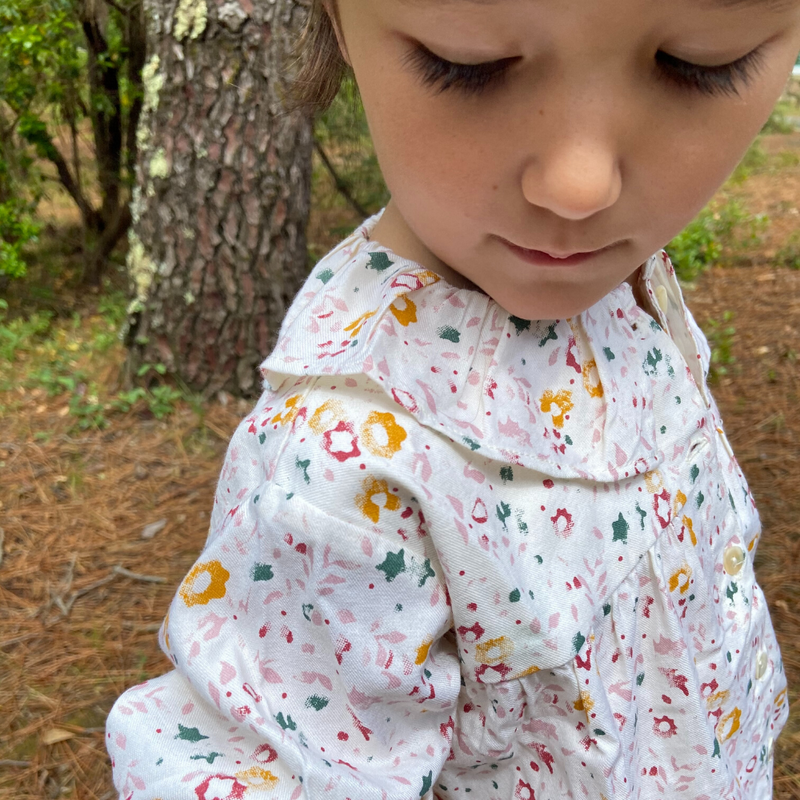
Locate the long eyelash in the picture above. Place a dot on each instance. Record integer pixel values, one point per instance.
(470, 79)
(721, 81)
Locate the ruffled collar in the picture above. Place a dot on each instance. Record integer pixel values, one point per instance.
(570, 398)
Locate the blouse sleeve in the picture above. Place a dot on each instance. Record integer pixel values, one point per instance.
(309, 661)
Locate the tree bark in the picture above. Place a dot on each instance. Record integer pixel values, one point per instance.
(218, 247)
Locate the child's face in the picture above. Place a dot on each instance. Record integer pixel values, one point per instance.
(594, 136)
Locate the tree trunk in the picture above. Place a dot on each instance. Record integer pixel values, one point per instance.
(218, 247)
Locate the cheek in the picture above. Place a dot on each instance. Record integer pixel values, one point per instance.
(424, 149)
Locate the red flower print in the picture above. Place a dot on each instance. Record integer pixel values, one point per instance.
(664, 727)
(337, 451)
(562, 523)
(524, 791)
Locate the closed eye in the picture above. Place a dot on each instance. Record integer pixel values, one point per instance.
(721, 80)
(473, 79)
(442, 75)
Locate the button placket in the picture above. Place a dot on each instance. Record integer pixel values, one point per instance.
(733, 559)
(762, 662)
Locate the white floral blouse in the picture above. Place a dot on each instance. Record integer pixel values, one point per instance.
(453, 551)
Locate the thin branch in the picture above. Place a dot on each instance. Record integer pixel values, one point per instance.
(136, 576)
(341, 186)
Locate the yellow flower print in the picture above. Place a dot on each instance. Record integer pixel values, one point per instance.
(591, 379)
(369, 508)
(494, 651)
(563, 402)
(395, 434)
(289, 412)
(689, 525)
(680, 502)
(654, 481)
(731, 722)
(584, 702)
(326, 416)
(258, 778)
(216, 590)
(422, 651)
(406, 315)
(681, 579)
(354, 328)
(718, 699)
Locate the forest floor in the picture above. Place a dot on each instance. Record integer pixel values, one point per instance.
(99, 525)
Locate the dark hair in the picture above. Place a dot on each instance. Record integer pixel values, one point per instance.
(321, 65)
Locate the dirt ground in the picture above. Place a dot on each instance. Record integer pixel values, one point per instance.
(84, 582)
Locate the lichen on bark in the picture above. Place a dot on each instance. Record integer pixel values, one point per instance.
(141, 269)
(190, 19)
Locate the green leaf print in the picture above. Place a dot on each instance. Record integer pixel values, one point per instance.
(731, 591)
(450, 333)
(654, 358)
(287, 724)
(422, 572)
(642, 514)
(303, 465)
(550, 336)
(471, 443)
(620, 528)
(503, 513)
(514, 596)
(427, 781)
(379, 262)
(316, 702)
(695, 473)
(609, 353)
(393, 565)
(578, 642)
(189, 734)
(211, 757)
(325, 275)
(506, 474)
(521, 325)
(261, 572)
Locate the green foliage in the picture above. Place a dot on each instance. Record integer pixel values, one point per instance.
(720, 338)
(715, 230)
(789, 254)
(779, 121)
(17, 228)
(17, 334)
(65, 358)
(343, 133)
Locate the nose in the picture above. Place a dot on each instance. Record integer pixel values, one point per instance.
(575, 178)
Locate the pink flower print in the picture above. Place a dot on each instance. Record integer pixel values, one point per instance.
(562, 523)
(664, 727)
(338, 448)
(220, 787)
(524, 791)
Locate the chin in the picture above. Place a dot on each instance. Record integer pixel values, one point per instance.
(539, 311)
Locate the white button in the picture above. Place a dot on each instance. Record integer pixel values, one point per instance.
(662, 298)
(733, 559)
(761, 664)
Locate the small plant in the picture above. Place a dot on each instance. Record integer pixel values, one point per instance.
(19, 334)
(162, 400)
(789, 254)
(720, 339)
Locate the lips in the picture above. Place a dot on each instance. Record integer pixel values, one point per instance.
(554, 258)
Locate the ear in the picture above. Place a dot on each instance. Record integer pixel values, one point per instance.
(331, 9)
